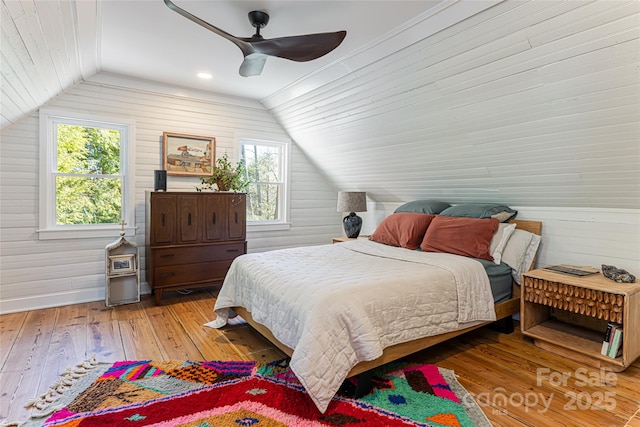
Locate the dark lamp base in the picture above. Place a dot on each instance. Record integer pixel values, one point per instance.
(352, 225)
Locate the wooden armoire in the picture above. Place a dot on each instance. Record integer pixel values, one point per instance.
(192, 238)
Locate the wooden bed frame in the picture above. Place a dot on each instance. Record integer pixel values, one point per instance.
(503, 310)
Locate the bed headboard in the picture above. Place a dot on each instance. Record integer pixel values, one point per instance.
(534, 227)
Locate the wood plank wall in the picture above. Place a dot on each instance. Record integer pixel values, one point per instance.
(576, 236)
(37, 274)
(529, 103)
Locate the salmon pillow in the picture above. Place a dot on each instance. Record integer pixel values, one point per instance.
(402, 229)
(468, 237)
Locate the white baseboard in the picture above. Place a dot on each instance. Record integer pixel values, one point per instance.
(77, 296)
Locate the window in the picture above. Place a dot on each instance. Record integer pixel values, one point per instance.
(267, 171)
(86, 170)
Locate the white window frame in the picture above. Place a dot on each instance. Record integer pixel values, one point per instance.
(283, 223)
(48, 228)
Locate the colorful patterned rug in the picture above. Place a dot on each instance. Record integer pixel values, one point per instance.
(244, 394)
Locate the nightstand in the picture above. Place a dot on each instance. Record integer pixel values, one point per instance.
(568, 315)
(346, 239)
(341, 239)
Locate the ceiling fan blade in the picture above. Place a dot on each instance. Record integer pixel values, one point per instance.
(252, 65)
(243, 45)
(298, 48)
(255, 49)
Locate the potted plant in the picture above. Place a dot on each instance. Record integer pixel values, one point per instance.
(225, 177)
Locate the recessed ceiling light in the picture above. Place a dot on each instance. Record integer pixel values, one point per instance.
(206, 76)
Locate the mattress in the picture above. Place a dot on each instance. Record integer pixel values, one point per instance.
(500, 279)
(338, 305)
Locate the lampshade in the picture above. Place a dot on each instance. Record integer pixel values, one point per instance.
(352, 201)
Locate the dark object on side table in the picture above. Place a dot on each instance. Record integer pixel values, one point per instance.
(617, 274)
(352, 225)
(352, 201)
(160, 180)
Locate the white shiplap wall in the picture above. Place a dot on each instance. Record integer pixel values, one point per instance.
(35, 273)
(576, 236)
(535, 104)
(531, 103)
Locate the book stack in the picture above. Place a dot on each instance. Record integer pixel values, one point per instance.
(612, 342)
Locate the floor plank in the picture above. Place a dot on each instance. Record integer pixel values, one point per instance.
(170, 335)
(68, 343)
(138, 338)
(104, 340)
(10, 325)
(24, 368)
(500, 371)
(212, 343)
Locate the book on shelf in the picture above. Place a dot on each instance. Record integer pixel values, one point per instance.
(615, 348)
(608, 337)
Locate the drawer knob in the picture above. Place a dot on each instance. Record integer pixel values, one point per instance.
(233, 250)
(167, 256)
(165, 275)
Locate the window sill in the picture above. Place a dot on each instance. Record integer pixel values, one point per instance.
(84, 232)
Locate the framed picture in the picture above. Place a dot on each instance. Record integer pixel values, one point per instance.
(122, 263)
(188, 155)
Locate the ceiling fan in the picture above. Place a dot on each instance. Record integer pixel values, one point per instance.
(256, 48)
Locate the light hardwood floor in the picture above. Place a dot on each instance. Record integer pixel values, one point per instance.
(515, 383)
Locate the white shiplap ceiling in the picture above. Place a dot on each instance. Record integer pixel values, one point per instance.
(48, 46)
(147, 40)
(529, 103)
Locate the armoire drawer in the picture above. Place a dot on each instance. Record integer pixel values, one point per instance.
(196, 254)
(191, 273)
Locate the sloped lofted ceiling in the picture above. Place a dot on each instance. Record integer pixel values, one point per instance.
(529, 103)
(48, 46)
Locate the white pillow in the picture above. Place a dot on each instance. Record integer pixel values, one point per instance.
(499, 241)
(519, 251)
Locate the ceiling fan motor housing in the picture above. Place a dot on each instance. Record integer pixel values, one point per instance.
(258, 18)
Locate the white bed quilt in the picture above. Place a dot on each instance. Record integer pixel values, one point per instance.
(337, 305)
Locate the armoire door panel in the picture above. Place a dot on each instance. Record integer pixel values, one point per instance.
(188, 222)
(215, 217)
(163, 218)
(237, 217)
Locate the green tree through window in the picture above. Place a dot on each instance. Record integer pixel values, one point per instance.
(264, 164)
(88, 178)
